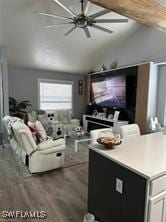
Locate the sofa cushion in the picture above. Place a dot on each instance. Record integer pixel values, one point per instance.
(44, 120)
(75, 122)
(51, 143)
(66, 119)
(64, 116)
(32, 117)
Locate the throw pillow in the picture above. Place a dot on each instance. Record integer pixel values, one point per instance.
(32, 117)
(31, 124)
(43, 119)
(40, 129)
(64, 116)
(51, 116)
(35, 134)
(65, 119)
(60, 115)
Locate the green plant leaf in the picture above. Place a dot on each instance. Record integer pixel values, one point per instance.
(16, 107)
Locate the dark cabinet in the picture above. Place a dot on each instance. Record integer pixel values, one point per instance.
(104, 201)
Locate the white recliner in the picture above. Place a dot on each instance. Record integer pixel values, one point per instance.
(45, 156)
(129, 131)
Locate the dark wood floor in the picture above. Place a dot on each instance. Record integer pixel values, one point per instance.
(61, 193)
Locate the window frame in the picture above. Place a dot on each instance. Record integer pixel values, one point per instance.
(56, 81)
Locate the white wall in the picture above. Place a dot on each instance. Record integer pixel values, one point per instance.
(146, 44)
(161, 103)
(23, 85)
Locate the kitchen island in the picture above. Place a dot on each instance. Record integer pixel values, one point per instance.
(128, 183)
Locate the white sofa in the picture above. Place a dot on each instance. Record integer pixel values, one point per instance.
(60, 120)
(45, 156)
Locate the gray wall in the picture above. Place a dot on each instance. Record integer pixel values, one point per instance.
(1, 35)
(146, 44)
(4, 67)
(23, 85)
(1, 28)
(4, 104)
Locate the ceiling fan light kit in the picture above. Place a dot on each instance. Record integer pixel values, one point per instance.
(83, 20)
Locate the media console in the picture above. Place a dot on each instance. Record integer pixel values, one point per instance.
(138, 95)
(94, 122)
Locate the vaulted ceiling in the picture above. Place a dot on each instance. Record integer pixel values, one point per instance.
(30, 45)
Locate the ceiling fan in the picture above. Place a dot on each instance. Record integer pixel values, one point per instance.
(83, 20)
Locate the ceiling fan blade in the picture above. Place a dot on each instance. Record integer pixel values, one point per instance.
(100, 13)
(53, 16)
(101, 28)
(56, 25)
(111, 20)
(72, 29)
(86, 7)
(64, 7)
(87, 33)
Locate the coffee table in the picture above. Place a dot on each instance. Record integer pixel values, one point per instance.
(77, 138)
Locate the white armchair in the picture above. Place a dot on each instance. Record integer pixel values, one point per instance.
(45, 156)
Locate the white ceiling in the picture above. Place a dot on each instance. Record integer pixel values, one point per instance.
(30, 45)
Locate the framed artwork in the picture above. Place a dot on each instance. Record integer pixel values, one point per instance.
(80, 87)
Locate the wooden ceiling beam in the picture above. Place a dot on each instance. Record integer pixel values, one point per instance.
(147, 12)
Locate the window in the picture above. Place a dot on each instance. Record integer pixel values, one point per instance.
(55, 95)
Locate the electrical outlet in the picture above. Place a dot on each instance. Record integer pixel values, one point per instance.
(119, 185)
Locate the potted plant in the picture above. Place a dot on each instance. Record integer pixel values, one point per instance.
(17, 108)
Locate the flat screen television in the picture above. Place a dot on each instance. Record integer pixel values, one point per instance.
(115, 89)
(110, 92)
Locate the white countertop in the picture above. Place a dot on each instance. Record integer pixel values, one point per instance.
(145, 155)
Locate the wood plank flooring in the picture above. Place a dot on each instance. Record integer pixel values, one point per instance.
(61, 193)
